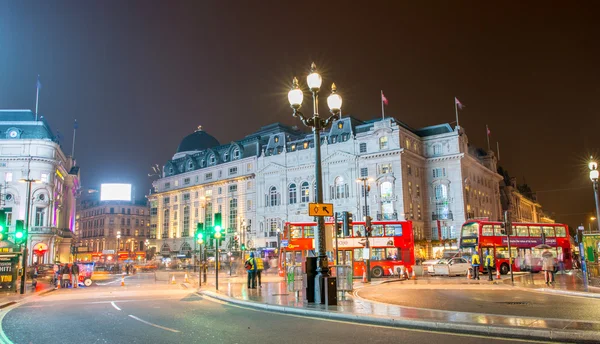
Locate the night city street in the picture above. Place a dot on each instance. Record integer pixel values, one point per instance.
(234, 172)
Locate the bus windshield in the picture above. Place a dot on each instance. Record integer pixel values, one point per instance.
(470, 229)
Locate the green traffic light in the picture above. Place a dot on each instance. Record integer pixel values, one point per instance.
(19, 235)
(217, 229)
(1, 229)
(199, 236)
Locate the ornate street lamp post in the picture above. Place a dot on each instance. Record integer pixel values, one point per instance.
(594, 178)
(334, 101)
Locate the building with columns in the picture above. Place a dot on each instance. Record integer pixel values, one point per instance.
(30, 151)
(430, 176)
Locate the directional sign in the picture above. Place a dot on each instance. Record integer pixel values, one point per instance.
(284, 243)
(320, 209)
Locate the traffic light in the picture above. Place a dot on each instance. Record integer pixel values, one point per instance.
(368, 225)
(243, 247)
(347, 223)
(20, 234)
(200, 233)
(217, 227)
(236, 242)
(3, 227)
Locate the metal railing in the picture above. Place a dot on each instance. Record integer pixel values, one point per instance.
(442, 216)
(389, 216)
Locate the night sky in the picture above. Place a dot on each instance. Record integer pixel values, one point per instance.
(140, 75)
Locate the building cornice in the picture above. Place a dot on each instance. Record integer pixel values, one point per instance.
(204, 185)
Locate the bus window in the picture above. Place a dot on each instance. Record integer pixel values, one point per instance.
(535, 231)
(309, 231)
(498, 230)
(359, 230)
(295, 232)
(358, 254)
(561, 232)
(391, 254)
(487, 230)
(502, 252)
(393, 230)
(549, 231)
(377, 230)
(378, 254)
(470, 229)
(522, 231)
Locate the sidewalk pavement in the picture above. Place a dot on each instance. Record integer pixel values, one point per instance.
(275, 296)
(10, 298)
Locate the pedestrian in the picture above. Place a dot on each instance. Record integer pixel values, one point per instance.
(260, 266)
(475, 262)
(250, 266)
(75, 275)
(561, 262)
(548, 267)
(56, 275)
(489, 264)
(127, 267)
(66, 276)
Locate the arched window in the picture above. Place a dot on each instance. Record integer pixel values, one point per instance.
(293, 193)
(235, 154)
(211, 159)
(440, 191)
(304, 193)
(273, 197)
(387, 190)
(340, 188)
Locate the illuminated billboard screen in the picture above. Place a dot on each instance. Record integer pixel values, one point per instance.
(115, 192)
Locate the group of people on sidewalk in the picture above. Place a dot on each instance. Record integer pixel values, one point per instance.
(548, 262)
(254, 266)
(66, 275)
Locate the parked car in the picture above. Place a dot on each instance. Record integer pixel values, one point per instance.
(428, 265)
(452, 267)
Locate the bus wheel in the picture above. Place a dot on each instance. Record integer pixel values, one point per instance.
(377, 272)
(504, 268)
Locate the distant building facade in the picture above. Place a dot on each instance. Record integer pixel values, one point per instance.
(30, 151)
(100, 222)
(430, 176)
(522, 206)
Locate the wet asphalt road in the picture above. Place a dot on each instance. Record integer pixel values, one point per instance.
(144, 312)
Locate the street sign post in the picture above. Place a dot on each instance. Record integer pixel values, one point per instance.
(320, 209)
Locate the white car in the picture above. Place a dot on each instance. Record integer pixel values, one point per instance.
(429, 264)
(452, 267)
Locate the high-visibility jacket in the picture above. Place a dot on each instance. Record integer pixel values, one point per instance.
(475, 259)
(259, 263)
(489, 261)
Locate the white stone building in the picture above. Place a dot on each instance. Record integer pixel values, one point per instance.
(29, 150)
(430, 176)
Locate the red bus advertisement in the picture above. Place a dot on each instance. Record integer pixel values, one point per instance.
(391, 245)
(526, 243)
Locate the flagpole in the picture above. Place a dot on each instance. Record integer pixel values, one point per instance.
(498, 149)
(37, 97)
(456, 111)
(382, 107)
(487, 134)
(73, 147)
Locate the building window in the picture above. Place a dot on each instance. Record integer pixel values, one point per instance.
(208, 176)
(233, 211)
(385, 168)
(207, 193)
(419, 215)
(440, 191)
(129, 220)
(273, 197)
(186, 221)
(383, 142)
(219, 190)
(439, 172)
(409, 170)
(235, 154)
(304, 193)
(211, 160)
(437, 149)
(249, 205)
(366, 210)
(8, 177)
(233, 188)
(39, 216)
(340, 125)
(410, 188)
(232, 171)
(165, 229)
(340, 188)
(112, 210)
(387, 190)
(418, 190)
(364, 172)
(293, 193)
(186, 197)
(407, 143)
(186, 181)
(167, 185)
(208, 215)
(128, 211)
(305, 145)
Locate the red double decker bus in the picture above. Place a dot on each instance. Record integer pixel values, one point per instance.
(525, 242)
(391, 245)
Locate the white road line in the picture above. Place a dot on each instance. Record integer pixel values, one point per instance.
(151, 324)
(116, 307)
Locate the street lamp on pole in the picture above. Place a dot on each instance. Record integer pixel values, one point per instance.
(366, 189)
(594, 178)
(25, 251)
(334, 101)
(118, 242)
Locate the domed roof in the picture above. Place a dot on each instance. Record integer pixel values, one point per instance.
(198, 140)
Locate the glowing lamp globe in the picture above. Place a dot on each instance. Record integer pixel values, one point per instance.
(314, 79)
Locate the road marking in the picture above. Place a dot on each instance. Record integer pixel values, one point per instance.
(116, 307)
(151, 324)
(208, 298)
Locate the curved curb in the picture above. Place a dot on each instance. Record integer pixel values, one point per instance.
(461, 328)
